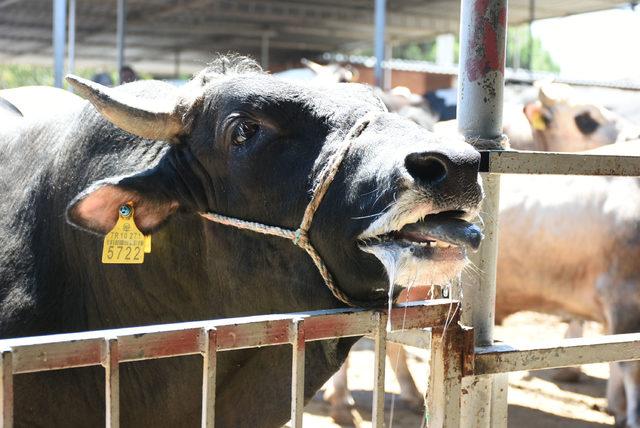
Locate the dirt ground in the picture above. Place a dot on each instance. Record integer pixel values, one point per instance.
(534, 399)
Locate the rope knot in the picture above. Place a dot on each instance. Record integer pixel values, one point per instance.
(300, 237)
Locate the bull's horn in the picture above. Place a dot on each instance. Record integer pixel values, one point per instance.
(314, 66)
(553, 93)
(157, 120)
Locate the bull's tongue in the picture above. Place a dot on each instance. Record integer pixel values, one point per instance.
(452, 230)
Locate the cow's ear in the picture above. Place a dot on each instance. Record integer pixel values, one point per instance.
(96, 209)
(536, 116)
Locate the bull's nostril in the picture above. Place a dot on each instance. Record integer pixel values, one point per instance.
(426, 167)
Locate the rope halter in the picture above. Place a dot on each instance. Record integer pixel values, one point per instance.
(300, 236)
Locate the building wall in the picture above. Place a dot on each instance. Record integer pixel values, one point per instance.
(417, 82)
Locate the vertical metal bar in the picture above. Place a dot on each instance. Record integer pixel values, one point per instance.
(481, 76)
(112, 384)
(59, 26)
(445, 375)
(71, 39)
(499, 404)
(210, 349)
(380, 342)
(264, 52)
(380, 22)
(121, 29)
(532, 17)
(297, 373)
(6, 389)
(388, 71)
(480, 100)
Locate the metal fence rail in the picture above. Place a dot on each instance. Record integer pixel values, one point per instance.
(110, 348)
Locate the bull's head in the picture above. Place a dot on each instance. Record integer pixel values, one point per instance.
(249, 146)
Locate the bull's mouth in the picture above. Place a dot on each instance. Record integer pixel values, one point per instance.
(445, 236)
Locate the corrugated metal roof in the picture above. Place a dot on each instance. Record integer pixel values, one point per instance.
(164, 32)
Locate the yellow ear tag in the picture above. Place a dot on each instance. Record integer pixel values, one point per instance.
(538, 122)
(147, 243)
(125, 244)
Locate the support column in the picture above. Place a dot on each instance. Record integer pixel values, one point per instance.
(379, 40)
(264, 52)
(532, 17)
(480, 99)
(71, 39)
(59, 34)
(121, 29)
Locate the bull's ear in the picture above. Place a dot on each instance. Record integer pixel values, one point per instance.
(154, 119)
(96, 209)
(535, 115)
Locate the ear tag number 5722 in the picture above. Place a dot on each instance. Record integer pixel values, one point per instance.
(125, 244)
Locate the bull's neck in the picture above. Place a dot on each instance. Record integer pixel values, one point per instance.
(201, 270)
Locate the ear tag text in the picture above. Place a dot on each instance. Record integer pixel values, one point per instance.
(125, 244)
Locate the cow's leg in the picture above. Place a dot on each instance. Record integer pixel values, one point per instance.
(409, 393)
(570, 374)
(616, 399)
(339, 397)
(620, 297)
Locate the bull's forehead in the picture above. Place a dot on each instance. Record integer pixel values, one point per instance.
(268, 93)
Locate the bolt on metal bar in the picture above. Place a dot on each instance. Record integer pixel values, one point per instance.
(297, 372)
(379, 336)
(209, 355)
(112, 383)
(6, 388)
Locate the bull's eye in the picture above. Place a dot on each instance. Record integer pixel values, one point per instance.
(244, 131)
(585, 123)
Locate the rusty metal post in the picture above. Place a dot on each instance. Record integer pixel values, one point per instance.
(380, 339)
(445, 374)
(480, 99)
(297, 372)
(209, 363)
(6, 388)
(112, 383)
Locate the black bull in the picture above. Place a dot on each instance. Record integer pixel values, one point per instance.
(234, 141)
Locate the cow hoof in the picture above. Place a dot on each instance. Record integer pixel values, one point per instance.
(566, 374)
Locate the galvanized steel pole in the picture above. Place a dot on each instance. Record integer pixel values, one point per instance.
(480, 99)
(121, 29)
(264, 52)
(71, 39)
(59, 34)
(380, 22)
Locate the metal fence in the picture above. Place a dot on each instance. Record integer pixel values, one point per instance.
(110, 348)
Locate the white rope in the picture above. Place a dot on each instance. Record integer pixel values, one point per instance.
(300, 236)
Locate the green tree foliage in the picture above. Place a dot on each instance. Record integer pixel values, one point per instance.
(425, 51)
(14, 75)
(518, 51)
